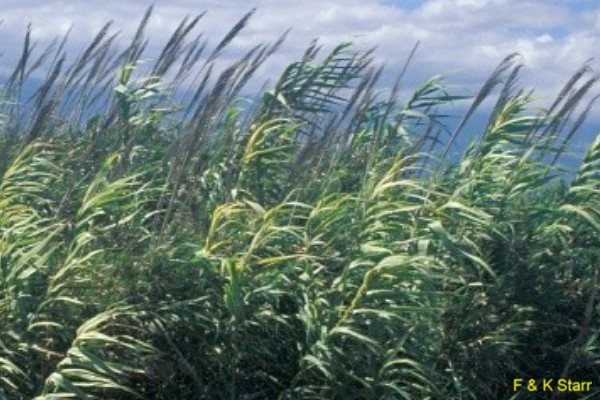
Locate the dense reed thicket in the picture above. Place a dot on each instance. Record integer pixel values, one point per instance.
(159, 241)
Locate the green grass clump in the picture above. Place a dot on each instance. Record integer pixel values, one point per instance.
(167, 244)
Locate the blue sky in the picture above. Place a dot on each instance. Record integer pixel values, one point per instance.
(462, 38)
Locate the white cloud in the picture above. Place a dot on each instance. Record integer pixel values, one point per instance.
(471, 36)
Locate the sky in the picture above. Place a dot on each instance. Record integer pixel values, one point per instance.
(462, 39)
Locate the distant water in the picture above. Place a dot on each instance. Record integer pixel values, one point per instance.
(570, 160)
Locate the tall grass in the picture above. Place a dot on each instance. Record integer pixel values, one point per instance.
(158, 241)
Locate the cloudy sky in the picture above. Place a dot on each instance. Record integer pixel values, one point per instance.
(462, 38)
